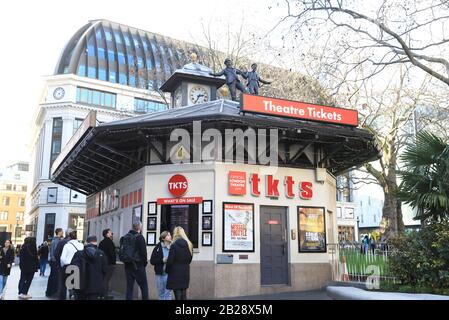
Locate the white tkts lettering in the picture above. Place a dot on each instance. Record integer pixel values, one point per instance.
(177, 185)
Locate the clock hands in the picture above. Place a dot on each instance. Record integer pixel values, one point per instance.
(198, 96)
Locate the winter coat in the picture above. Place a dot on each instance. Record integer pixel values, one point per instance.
(69, 251)
(107, 246)
(96, 268)
(6, 258)
(141, 249)
(178, 265)
(43, 252)
(29, 262)
(157, 258)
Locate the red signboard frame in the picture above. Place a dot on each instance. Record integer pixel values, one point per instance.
(298, 110)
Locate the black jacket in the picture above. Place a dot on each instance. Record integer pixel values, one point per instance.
(59, 248)
(157, 259)
(6, 258)
(107, 246)
(96, 268)
(178, 265)
(141, 248)
(43, 252)
(29, 262)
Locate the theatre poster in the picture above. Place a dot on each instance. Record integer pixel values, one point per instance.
(238, 227)
(312, 234)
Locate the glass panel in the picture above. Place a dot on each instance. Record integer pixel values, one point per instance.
(91, 50)
(81, 70)
(101, 53)
(91, 72)
(108, 100)
(96, 97)
(121, 58)
(132, 81)
(112, 77)
(108, 36)
(102, 74)
(111, 55)
(117, 37)
(130, 60)
(122, 78)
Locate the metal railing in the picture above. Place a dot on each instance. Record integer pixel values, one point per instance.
(353, 261)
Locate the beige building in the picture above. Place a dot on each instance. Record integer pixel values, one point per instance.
(13, 190)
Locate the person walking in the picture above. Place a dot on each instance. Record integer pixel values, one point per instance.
(178, 264)
(43, 258)
(53, 278)
(373, 245)
(133, 253)
(158, 260)
(107, 246)
(6, 261)
(365, 244)
(29, 264)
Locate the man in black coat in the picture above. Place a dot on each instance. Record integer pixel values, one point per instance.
(62, 289)
(96, 269)
(53, 279)
(135, 271)
(107, 246)
(178, 268)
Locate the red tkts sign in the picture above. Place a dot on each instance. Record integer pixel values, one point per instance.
(177, 185)
(298, 110)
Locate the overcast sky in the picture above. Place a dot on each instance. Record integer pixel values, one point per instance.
(33, 34)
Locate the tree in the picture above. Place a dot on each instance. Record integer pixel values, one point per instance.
(381, 33)
(425, 177)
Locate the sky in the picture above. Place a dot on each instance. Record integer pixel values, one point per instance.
(34, 33)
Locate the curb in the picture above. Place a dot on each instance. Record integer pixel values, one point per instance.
(352, 293)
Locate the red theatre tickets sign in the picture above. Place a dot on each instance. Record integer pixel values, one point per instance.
(298, 110)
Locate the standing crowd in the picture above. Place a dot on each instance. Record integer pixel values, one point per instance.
(84, 271)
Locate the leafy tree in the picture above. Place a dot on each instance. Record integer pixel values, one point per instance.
(425, 177)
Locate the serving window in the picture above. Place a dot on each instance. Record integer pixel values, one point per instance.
(185, 216)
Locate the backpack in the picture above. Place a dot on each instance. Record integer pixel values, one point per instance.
(79, 260)
(128, 252)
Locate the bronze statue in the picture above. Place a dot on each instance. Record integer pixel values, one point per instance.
(232, 78)
(253, 79)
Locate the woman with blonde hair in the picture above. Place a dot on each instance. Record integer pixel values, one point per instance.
(178, 264)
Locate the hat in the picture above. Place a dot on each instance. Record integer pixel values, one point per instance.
(91, 239)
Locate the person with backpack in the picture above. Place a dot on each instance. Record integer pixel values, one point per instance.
(159, 260)
(107, 246)
(43, 258)
(133, 253)
(53, 278)
(178, 264)
(62, 290)
(29, 264)
(92, 265)
(68, 251)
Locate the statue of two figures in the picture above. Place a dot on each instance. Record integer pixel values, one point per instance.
(233, 82)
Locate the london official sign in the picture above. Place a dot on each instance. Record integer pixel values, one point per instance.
(298, 110)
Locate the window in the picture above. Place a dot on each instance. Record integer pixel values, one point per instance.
(111, 56)
(127, 42)
(49, 226)
(4, 215)
(130, 60)
(81, 70)
(17, 176)
(18, 231)
(101, 53)
(9, 187)
(108, 36)
(19, 216)
(6, 201)
(91, 50)
(338, 212)
(121, 58)
(112, 77)
(76, 124)
(185, 216)
(23, 167)
(3, 229)
(21, 202)
(117, 37)
(122, 79)
(91, 72)
(344, 188)
(132, 81)
(102, 74)
(52, 195)
(24, 188)
(100, 98)
(76, 222)
(349, 213)
(147, 106)
(56, 138)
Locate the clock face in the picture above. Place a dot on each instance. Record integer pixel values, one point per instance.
(58, 93)
(198, 95)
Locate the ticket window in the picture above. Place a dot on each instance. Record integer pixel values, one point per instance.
(185, 216)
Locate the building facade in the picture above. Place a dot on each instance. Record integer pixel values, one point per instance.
(107, 67)
(13, 190)
(346, 208)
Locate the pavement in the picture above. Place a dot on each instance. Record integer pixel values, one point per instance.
(351, 293)
(39, 285)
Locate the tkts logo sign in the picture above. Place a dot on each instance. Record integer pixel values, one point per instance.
(237, 185)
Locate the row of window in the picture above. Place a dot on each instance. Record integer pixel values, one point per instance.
(7, 201)
(5, 214)
(14, 187)
(147, 106)
(76, 222)
(52, 196)
(95, 97)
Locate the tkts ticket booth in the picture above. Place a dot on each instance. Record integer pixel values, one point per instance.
(252, 183)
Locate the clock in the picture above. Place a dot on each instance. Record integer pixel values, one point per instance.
(58, 94)
(198, 94)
